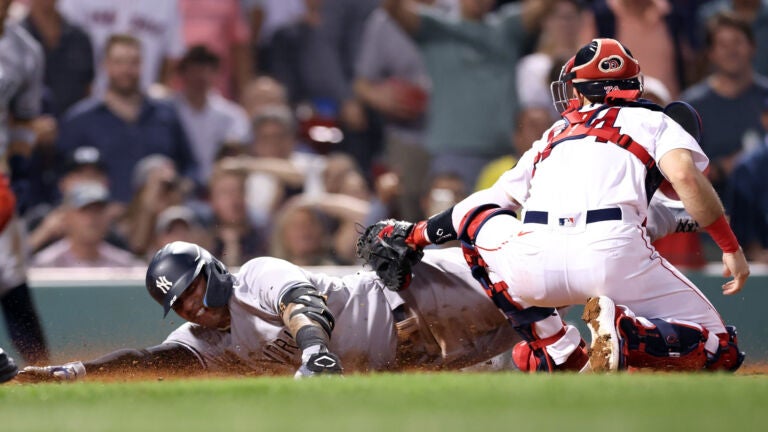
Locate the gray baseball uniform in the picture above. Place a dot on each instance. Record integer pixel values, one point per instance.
(21, 79)
(443, 320)
(21, 90)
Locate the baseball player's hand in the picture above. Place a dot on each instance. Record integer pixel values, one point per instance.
(66, 372)
(8, 368)
(735, 265)
(317, 360)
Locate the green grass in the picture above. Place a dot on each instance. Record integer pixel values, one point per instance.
(407, 402)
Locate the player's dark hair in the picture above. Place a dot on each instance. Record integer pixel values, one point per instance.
(728, 20)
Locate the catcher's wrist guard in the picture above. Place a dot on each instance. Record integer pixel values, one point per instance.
(384, 246)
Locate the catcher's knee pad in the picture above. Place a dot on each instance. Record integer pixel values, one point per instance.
(661, 344)
(728, 357)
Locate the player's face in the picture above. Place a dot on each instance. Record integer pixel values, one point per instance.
(123, 66)
(190, 307)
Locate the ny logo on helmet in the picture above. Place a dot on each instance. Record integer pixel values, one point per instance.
(163, 284)
(611, 64)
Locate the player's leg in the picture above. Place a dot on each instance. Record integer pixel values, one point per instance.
(548, 343)
(654, 317)
(621, 340)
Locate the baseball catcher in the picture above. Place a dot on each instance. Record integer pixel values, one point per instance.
(584, 224)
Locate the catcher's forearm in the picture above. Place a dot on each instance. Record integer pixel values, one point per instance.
(161, 358)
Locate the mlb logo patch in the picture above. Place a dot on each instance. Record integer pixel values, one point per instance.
(566, 221)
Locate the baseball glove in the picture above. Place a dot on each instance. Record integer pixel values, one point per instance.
(383, 247)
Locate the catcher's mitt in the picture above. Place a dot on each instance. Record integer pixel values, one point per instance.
(382, 247)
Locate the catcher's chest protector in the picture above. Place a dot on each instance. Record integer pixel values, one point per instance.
(581, 125)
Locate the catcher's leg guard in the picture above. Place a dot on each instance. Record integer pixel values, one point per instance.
(532, 356)
(548, 344)
(621, 341)
(728, 357)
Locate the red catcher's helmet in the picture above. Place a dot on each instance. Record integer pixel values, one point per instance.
(601, 69)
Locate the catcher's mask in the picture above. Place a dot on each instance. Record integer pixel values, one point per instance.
(174, 268)
(602, 69)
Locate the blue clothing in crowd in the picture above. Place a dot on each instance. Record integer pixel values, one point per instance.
(157, 130)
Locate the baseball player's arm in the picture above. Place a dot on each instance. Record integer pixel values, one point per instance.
(310, 322)
(167, 358)
(703, 204)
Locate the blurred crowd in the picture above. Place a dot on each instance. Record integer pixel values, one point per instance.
(281, 127)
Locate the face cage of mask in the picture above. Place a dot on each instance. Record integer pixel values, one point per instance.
(562, 92)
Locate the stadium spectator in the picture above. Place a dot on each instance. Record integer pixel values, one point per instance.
(748, 198)
(21, 82)
(265, 17)
(84, 164)
(392, 80)
(220, 25)
(650, 29)
(157, 185)
(278, 169)
(156, 24)
(69, 64)
(754, 12)
(319, 229)
(732, 95)
(301, 236)
(126, 125)
(531, 123)
(178, 223)
(471, 61)
(262, 92)
(442, 192)
(235, 239)
(558, 22)
(209, 119)
(86, 225)
(314, 58)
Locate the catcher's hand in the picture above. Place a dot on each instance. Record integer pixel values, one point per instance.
(66, 372)
(8, 368)
(321, 362)
(383, 247)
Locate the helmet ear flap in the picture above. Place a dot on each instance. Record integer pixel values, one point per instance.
(219, 285)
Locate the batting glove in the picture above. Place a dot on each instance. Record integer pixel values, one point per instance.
(66, 372)
(317, 360)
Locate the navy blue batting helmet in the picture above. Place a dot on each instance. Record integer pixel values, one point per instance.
(174, 268)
